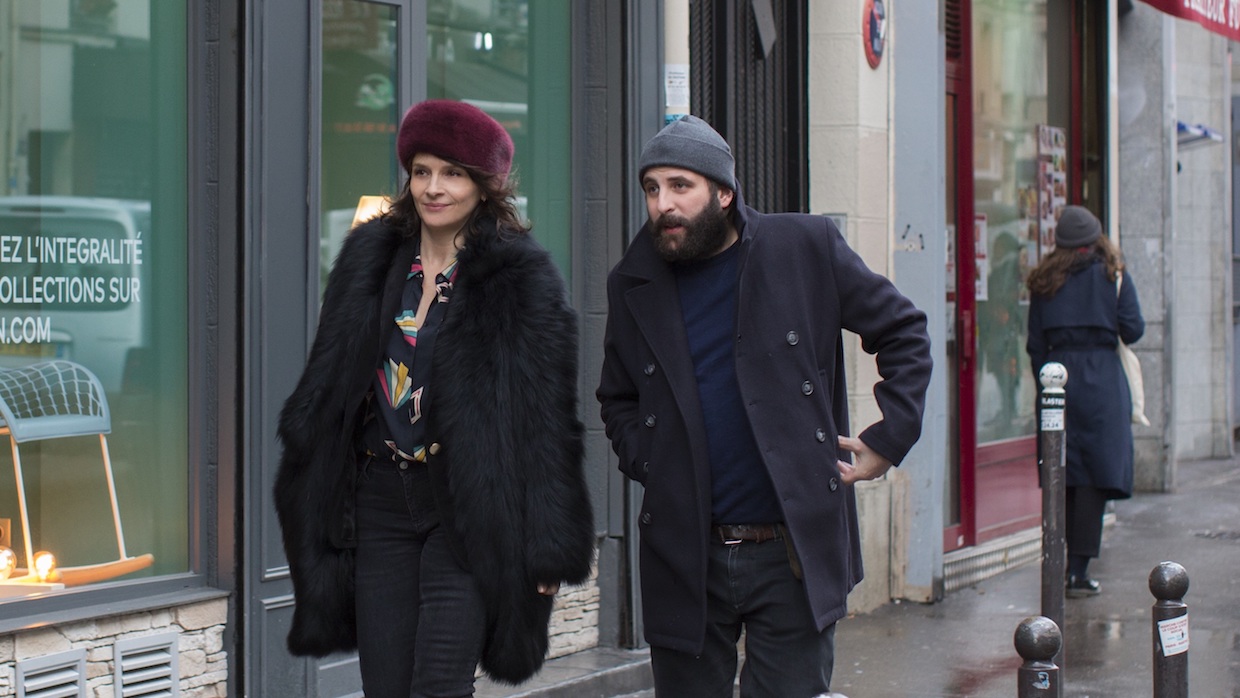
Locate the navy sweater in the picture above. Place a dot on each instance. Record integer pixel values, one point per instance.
(741, 489)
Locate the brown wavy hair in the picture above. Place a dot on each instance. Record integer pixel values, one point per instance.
(1048, 277)
(499, 196)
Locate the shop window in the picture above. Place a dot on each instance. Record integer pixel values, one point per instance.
(1018, 180)
(93, 294)
(510, 58)
(360, 116)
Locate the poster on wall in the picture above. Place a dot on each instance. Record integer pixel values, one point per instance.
(1029, 230)
(950, 239)
(980, 258)
(1052, 183)
(951, 261)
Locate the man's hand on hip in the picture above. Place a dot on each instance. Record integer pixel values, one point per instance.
(866, 465)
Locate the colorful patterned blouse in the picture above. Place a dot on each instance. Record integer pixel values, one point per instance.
(401, 379)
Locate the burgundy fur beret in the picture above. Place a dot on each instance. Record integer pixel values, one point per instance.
(456, 131)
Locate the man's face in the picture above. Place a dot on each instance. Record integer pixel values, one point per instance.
(686, 212)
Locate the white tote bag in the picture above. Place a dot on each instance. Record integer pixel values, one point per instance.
(1132, 370)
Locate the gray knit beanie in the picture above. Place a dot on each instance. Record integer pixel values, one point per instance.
(691, 144)
(1077, 227)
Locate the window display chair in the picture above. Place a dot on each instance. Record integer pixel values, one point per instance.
(53, 400)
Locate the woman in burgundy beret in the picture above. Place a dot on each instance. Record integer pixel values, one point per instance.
(430, 492)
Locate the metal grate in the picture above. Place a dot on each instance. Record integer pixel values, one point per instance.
(953, 28)
(702, 61)
(60, 675)
(146, 667)
(756, 101)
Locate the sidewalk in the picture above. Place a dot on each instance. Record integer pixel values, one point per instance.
(962, 646)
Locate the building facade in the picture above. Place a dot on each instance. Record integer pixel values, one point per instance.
(178, 176)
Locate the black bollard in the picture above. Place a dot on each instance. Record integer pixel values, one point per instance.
(1051, 467)
(1169, 584)
(1037, 641)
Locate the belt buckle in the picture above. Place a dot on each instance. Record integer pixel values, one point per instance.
(733, 541)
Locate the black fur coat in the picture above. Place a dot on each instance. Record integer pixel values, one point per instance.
(507, 472)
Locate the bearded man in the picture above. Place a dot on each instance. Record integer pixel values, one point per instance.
(723, 393)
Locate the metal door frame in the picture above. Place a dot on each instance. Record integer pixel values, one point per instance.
(280, 115)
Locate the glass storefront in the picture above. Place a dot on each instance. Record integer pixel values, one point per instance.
(510, 58)
(1010, 112)
(360, 115)
(93, 291)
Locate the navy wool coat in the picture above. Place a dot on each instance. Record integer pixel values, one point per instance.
(1078, 327)
(799, 286)
(505, 459)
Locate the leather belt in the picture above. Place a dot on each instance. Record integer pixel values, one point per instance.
(746, 533)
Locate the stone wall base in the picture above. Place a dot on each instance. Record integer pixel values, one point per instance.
(201, 660)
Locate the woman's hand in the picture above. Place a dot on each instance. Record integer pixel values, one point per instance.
(869, 465)
(548, 589)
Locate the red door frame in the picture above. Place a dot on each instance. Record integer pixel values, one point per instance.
(960, 82)
(1006, 462)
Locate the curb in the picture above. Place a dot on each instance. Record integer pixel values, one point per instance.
(594, 673)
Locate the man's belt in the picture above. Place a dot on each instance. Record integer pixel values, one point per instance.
(746, 533)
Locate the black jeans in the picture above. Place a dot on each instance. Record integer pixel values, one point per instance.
(1084, 508)
(751, 584)
(420, 619)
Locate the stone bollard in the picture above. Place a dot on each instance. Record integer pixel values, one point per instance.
(1037, 641)
(1051, 467)
(1169, 584)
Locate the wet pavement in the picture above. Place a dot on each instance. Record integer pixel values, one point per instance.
(963, 645)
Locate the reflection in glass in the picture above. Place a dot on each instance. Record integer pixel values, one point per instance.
(360, 116)
(511, 58)
(92, 267)
(1009, 102)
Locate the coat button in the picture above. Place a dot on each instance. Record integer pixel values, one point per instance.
(834, 484)
(820, 435)
(646, 518)
(650, 420)
(792, 338)
(434, 449)
(404, 465)
(807, 388)
(645, 467)
(649, 369)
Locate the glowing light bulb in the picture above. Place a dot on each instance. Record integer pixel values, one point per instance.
(8, 562)
(45, 566)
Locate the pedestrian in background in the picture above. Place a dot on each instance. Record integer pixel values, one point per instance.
(1082, 303)
(723, 393)
(431, 491)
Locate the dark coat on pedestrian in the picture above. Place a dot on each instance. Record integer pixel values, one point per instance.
(1078, 327)
(505, 457)
(799, 285)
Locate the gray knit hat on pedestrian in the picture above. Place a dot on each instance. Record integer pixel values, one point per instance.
(1077, 227)
(691, 144)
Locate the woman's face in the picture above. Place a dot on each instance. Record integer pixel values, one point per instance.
(443, 193)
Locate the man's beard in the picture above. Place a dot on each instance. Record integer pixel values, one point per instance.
(703, 234)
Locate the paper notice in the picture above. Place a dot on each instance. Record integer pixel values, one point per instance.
(1173, 634)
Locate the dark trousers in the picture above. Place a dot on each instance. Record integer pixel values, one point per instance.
(1083, 511)
(751, 585)
(420, 618)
